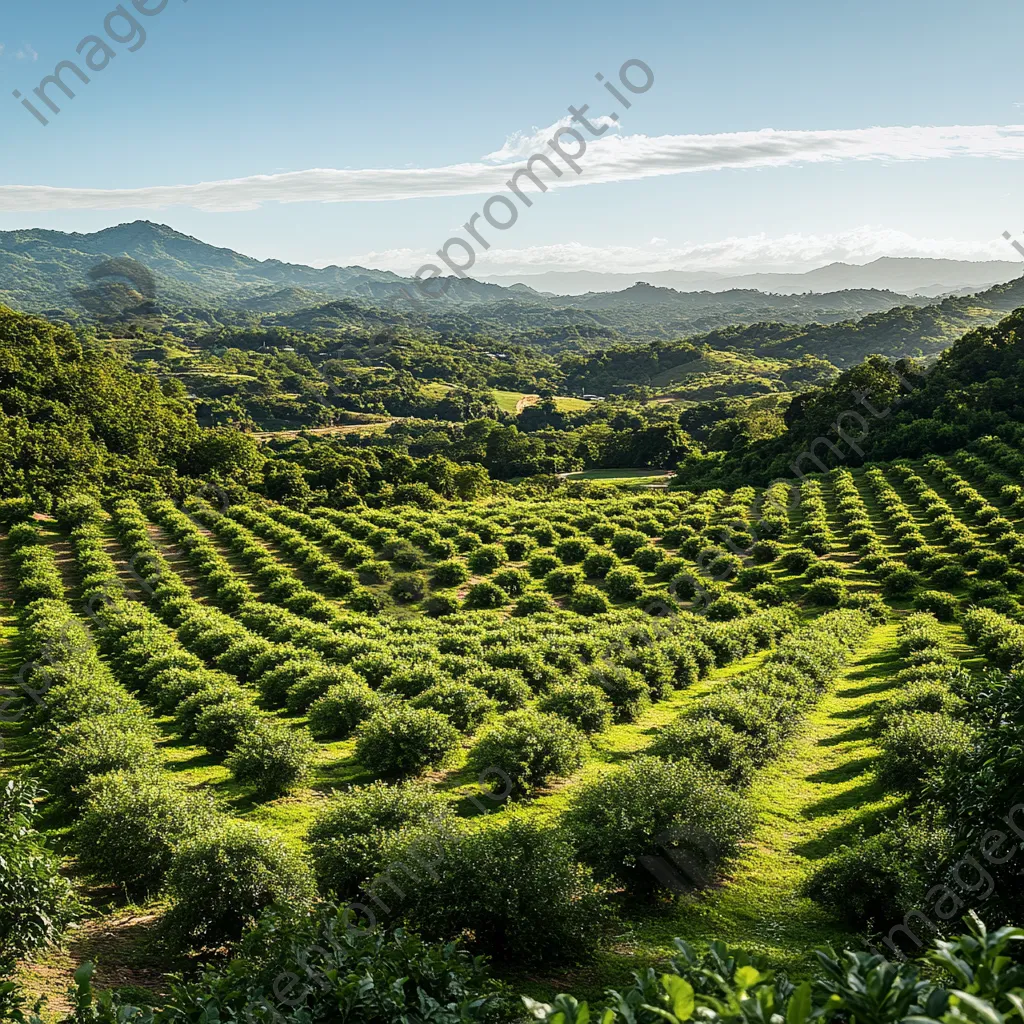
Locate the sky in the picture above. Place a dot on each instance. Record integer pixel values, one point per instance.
(774, 135)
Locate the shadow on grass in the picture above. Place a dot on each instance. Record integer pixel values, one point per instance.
(844, 772)
(857, 796)
(860, 732)
(868, 823)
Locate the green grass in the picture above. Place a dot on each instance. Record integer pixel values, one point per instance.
(815, 797)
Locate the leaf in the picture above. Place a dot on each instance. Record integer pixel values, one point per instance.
(681, 994)
(798, 1010)
(1018, 1003)
(539, 1010)
(984, 1010)
(84, 973)
(747, 977)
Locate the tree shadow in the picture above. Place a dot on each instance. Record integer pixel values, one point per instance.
(844, 772)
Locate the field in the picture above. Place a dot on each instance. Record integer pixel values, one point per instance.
(513, 402)
(626, 477)
(263, 657)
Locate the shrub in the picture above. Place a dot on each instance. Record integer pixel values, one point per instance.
(765, 551)
(513, 581)
(685, 586)
(797, 561)
(627, 690)
(36, 901)
(540, 565)
(992, 567)
(731, 606)
(827, 591)
(750, 578)
(927, 693)
(771, 595)
(942, 606)
(131, 825)
(824, 570)
(519, 548)
(355, 834)
(563, 581)
(441, 605)
(918, 745)
(585, 706)
(506, 686)
(219, 727)
(107, 743)
(637, 811)
(900, 583)
(273, 759)
(401, 740)
(449, 574)
(408, 589)
(373, 571)
(586, 600)
(463, 705)
(486, 595)
(221, 880)
(186, 714)
(625, 543)
(572, 550)
(648, 558)
(515, 887)
(341, 709)
(487, 558)
(536, 603)
(705, 741)
(871, 883)
(598, 564)
(529, 748)
(624, 584)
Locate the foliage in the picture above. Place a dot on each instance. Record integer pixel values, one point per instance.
(36, 901)
(528, 748)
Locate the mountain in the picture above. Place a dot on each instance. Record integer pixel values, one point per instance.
(932, 277)
(830, 306)
(909, 276)
(43, 270)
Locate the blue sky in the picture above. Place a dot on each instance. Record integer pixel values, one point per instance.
(225, 90)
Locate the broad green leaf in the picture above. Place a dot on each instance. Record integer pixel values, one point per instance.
(681, 994)
(747, 977)
(798, 1010)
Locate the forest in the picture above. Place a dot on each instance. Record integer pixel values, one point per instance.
(368, 664)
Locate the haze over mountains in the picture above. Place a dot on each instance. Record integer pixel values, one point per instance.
(906, 275)
(193, 282)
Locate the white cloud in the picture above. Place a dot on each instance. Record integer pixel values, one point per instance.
(609, 159)
(521, 145)
(26, 53)
(792, 253)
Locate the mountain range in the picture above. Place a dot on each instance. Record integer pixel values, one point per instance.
(906, 275)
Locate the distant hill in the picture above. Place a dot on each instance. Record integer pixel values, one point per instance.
(831, 306)
(909, 276)
(41, 270)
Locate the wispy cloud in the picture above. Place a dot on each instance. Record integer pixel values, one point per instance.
(611, 158)
(735, 255)
(27, 53)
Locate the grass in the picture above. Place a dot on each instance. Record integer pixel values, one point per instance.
(511, 402)
(815, 797)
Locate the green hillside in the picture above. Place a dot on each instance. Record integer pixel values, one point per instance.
(490, 674)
